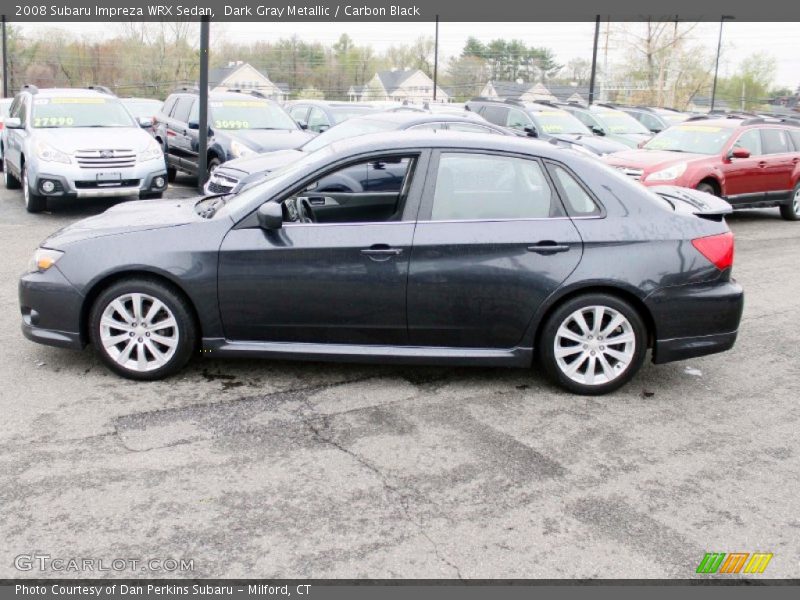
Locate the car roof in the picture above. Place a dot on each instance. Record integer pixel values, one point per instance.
(402, 140)
(409, 117)
(49, 92)
(330, 104)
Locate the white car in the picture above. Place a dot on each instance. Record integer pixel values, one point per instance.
(78, 143)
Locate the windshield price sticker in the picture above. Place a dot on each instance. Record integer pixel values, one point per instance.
(553, 128)
(53, 121)
(233, 124)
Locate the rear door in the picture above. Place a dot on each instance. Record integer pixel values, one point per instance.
(492, 242)
(780, 161)
(178, 134)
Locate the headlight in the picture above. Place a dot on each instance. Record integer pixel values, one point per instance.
(151, 152)
(668, 174)
(50, 154)
(238, 149)
(43, 259)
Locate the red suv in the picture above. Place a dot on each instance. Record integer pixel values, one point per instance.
(750, 162)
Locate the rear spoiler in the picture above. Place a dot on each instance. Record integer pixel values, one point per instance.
(687, 200)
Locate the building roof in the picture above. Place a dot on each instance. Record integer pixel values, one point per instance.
(510, 89)
(392, 80)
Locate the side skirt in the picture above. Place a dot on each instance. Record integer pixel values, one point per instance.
(404, 355)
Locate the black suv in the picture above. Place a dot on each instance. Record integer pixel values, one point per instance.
(239, 124)
(655, 119)
(544, 121)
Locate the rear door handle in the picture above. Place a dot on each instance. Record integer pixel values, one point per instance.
(381, 252)
(762, 163)
(548, 247)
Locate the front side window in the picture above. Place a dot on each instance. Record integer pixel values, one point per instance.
(485, 187)
(317, 121)
(299, 113)
(495, 114)
(616, 121)
(774, 141)
(518, 120)
(79, 111)
(182, 108)
(751, 141)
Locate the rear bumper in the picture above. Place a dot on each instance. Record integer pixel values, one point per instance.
(695, 320)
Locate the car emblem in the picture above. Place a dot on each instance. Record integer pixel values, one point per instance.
(106, 154)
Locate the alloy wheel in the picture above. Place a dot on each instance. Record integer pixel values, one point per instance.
(139, 332)
(796, 202)
(594, 345)
(26, 191)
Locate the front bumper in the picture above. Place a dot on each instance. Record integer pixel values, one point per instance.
(73, 181)
(51, 309)
(695, 320)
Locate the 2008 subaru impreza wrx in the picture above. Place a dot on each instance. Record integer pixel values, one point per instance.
(478, 250)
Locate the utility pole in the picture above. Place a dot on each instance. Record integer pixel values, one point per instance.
(603, 89)
(722, 20)
(5, 60)
(436, 60)
(202, 150)
(594, 59)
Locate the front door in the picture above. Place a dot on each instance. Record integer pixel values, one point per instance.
(746, 179)
(336, 280)
(491, 244)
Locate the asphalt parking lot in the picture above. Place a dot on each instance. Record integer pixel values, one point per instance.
(278, 469)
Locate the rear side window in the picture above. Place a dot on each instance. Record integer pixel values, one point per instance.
(486, 187)
(774, 141)
(795, 135)
(578, 200)
(168, 104)
(495, 114)
(182, 108)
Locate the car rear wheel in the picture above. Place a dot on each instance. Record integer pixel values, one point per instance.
(142, 329)
(11, 182)
(791, 211)
(213, 163)
(593, 344)
(172, 173)
(34, 202)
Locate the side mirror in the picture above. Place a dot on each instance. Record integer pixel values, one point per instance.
(270, 216)
(531, 131)
(598, 130)
(321, 128)
(193, 124)
(656, 130)
(303, 124)
(13, 123)
(145, 122)
(739, 153)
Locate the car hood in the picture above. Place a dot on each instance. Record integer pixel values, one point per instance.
(70, 139)
(650, 159)
(261, 162)
(631, 140)
(595, 143)
(127, 217)
(268, 140)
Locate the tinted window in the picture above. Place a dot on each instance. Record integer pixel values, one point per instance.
(182, 108)
(578, 200)
(317, 120)
(470, 128)
(751, 141)
(774, 141)
(168, 104)
(495, 114)
(649, 121)
(518, 119)
(795, 135)
(483, 186)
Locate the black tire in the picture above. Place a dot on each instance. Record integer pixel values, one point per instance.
(213, 163)
(151, 195)
(791, 210)
(11, 182)
(177, 306)
(707, 188)
(561, 315)
(172, 173)
(34, 203)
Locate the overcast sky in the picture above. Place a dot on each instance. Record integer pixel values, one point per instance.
(567, 40)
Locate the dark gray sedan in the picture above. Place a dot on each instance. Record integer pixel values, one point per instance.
(488, 250)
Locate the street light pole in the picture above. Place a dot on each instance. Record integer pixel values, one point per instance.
(594, 59)
(436, 60)
(716, 65)
(202, 150)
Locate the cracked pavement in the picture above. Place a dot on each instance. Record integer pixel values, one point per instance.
(279, 470)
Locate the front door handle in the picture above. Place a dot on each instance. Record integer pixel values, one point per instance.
(762, 164)
(381, 252)
(548, 247)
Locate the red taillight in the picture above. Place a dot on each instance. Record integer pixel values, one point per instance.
(718, 249)
(1, 124)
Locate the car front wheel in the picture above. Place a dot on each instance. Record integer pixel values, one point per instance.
(11, 182)
(791, 211)
(34, 202)
(142, 329)
(593, 344)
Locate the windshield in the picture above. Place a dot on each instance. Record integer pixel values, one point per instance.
(347, 129)
(699, 139)
(247, 114)
(616, 121)
(280, 176)
(143, 108)
(80, 111)
(560, 121)
(347, 112)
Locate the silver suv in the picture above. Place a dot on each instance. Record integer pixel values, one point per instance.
(78, 143)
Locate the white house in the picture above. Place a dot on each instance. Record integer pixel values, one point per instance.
(243, 76)
(398, 85)
(517, 90)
